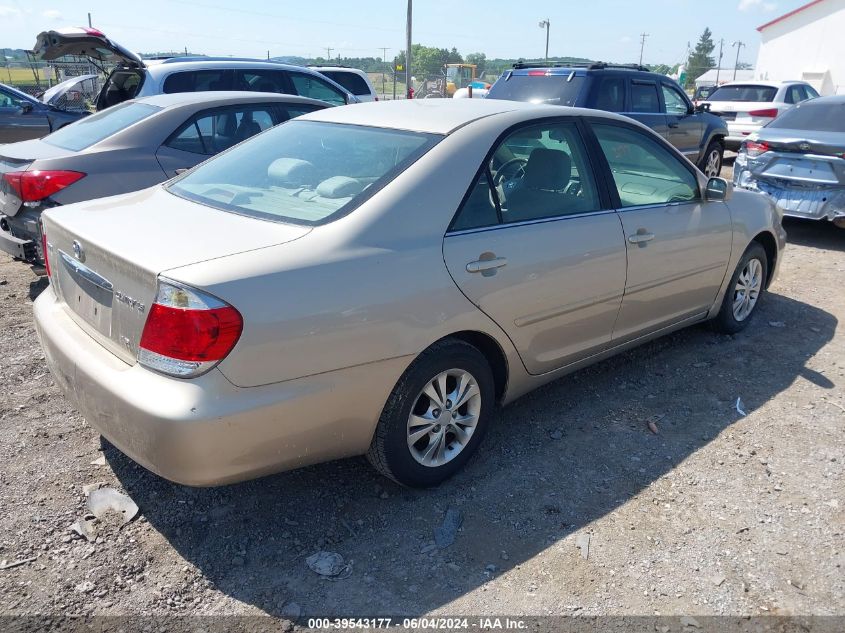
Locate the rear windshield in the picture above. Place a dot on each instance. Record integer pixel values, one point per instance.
(549, 89)
(743, 93)
(304, 172)
(97, 127)
(816, 116)
(352, 82)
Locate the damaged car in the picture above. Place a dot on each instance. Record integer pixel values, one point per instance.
(799, 161)
(23, 117)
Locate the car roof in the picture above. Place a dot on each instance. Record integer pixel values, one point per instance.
(179, 64)
(223, 98)
(340, 69)
(754, 82)
(439, 116)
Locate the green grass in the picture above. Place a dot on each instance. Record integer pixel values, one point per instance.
(15, 76)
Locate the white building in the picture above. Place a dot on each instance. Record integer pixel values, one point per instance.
(716, 76)
(806, 44)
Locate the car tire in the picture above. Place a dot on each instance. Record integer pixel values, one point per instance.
(445, 440)
(839, 222)
(744, 292)
(711, 162)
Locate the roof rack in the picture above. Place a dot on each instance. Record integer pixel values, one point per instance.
(588, 66)
(201, 58)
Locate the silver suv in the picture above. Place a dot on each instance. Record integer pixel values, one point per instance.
(134, 77)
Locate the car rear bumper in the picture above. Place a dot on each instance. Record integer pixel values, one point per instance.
(812, 203)
(738, 132)
(20, 235)
(17, 247)
(206, 431)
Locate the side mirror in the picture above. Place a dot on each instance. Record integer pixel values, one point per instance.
(26, 107)
(702, 107)
(718, 189)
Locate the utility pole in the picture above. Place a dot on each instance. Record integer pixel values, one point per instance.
(719, 65)
(408, 50)
(383, 62)
(328, 53)
(739, 46)
(89, 21)
(545, 24)
(643, 37)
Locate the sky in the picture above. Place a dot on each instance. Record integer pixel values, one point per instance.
(597, 29)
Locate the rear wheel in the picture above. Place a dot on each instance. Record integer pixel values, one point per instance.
(743, 293)
(839, 222)
(435, 417)
(711, 162)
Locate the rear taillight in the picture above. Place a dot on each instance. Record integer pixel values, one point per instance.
(753, 148)
(44, 252)
(31, 186)
(768, 112)
(187, 331)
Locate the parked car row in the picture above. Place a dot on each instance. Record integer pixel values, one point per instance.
(373, 279)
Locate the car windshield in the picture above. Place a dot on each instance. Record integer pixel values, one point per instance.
(814, 115)
(539, 88)
(744, 93)
(95, 128)
(304, 172)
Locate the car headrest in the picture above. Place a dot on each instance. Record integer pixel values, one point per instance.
(226, 124)
(292, 172)
(339, 187)
(549, 169)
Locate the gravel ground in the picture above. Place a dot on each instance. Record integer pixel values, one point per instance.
(716, 513)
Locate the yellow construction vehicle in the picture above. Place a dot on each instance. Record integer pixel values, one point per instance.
(459, 76)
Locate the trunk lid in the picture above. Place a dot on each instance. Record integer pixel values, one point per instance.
(106, 255)
(739, 110)
(20, 157)
(800, 158)
(85, 42)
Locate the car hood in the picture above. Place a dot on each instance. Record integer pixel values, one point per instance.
(85, 42)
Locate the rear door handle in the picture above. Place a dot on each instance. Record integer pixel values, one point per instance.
(480, 265)
(640, 238)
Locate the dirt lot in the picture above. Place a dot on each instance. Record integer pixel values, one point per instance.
(717, 513)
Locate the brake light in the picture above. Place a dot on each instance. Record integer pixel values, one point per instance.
(44, 252)
(31, 186)
(188, 331)
(537, 73)
(768, 112)
(95, 32)
(753, 148)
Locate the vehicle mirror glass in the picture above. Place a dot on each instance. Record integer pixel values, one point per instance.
(717, 189)
(26, 107)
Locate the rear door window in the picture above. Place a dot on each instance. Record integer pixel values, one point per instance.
(644, 97)
(198, 81)
(262, 81)
(609, 94)
(315, 88)
(213, 131)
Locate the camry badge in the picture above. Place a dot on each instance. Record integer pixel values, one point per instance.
(78, 251)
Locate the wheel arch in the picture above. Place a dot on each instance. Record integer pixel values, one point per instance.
(767, 241)
(492, 351)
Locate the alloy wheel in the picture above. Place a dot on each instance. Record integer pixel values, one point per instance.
(444, 417)
(713, 166)
(747, 289)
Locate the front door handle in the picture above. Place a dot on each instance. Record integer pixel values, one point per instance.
(481, 265)
(640, 237)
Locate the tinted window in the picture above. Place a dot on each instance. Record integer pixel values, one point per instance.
(553, 89)
(609, 94)
(811, 92)
(743, 93)
(196, 81)
(304, 172)
(261, 81)
(675, 103)
(353, 82)
(819, 116)
(213, 131)
(644, 171)
(644, 97)
(537, 172)
(9, 100)
(93, 129)
(315, 88)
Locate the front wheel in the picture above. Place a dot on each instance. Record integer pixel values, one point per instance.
(435, 417)
(743, 293)
(711, 162)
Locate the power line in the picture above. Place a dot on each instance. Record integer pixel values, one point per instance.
(739, 46)
(328, 52)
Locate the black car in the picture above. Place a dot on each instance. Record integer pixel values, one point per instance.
(652, 99)
(23, 117)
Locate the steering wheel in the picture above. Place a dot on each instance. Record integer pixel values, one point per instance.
(515, 165)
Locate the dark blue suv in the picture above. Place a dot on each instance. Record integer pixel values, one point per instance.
(652, 99)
